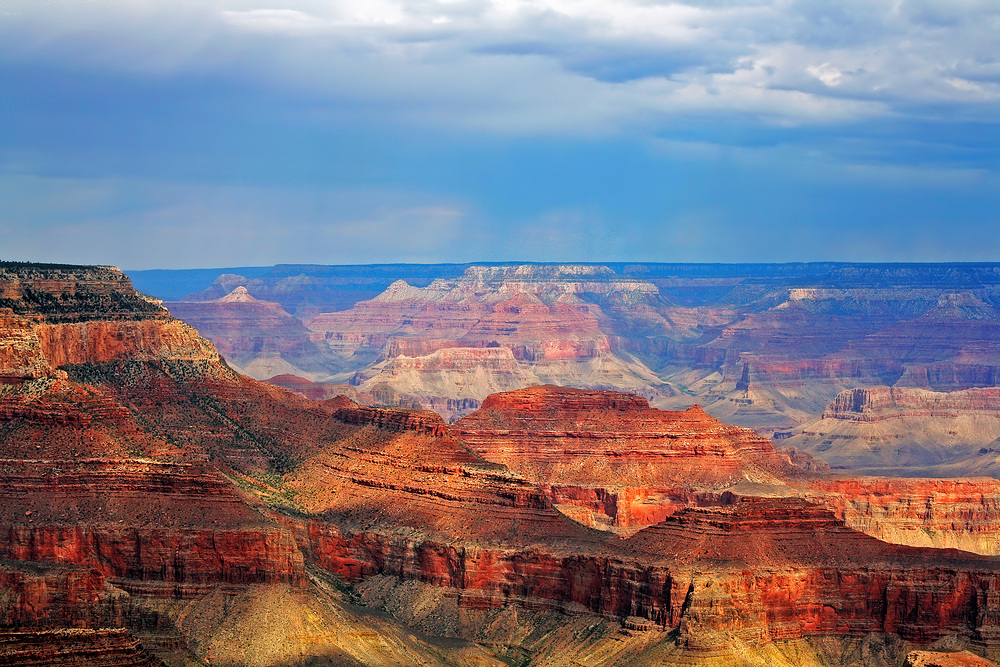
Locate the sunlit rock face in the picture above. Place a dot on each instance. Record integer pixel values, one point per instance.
(145, 485)
(610, 460)
(924, 432)
(496, 329)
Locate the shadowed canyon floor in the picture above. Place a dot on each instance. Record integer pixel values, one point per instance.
(148, 488)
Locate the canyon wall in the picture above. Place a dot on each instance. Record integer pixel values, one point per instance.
(763, 346)
(925, 432)
(143, 468)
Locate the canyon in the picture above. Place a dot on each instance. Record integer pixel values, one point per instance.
(151, 494)
(770, 347)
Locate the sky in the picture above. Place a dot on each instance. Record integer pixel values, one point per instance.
(214, 133)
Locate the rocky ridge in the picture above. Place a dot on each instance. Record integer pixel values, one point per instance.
(258, 338)
(882, 428)
(364, 493)
(763, 346)
(54, 648)
(611, 461)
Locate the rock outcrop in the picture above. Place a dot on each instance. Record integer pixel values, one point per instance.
(944, 513)
(44, 595)
(257, 338)
(756, 571)
(884, 428)
(70, 648)
(610, 460)
(166, 523)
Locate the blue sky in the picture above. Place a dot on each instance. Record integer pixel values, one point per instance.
(214, 133)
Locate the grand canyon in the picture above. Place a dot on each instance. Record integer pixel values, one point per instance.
(641, 464)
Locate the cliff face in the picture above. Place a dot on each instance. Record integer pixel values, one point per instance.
(63, 293)
(39, 596)
(168, 523)
(873, 404)
(886, 427)
(94, 648)
(401, 471)
(610, 460)
(758, 571)
(944, 513)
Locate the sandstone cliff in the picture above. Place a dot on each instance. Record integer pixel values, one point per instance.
(881, 428)
(609, 460)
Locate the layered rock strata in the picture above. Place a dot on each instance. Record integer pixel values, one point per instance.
(493, 329)
(365, 492)
(257, 338)
(56, 648)
(41, 595)
(609, 460)
(170, 524)
(764, 346)
(902, 427)
(952, 513)
(759, 570)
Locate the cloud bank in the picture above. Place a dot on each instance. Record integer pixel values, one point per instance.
(462, 129)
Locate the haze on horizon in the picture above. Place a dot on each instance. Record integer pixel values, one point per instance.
(233, 133)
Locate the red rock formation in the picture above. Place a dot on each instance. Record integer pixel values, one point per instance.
(946, 659)
(21, 355)
(56, 648)
(955, 513)
(36, 595)
(611, 454)
(105, 341)
(560, 435)
(760, 570)
(397, 470)
(176, 524)
(873, 404)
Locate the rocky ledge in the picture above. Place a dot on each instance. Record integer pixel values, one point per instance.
(74, 647)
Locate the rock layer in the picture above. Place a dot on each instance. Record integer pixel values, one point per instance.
(175, 524)
(55, 648)
(881, 428)
(610, 461)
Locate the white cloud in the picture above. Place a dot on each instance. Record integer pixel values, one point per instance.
(543, 66)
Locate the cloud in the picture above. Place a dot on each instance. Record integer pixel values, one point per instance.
(200, 132)
(550, 66)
